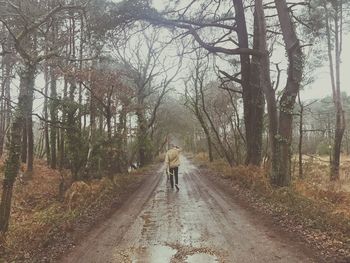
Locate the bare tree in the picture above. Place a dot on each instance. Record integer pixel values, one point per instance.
(24, 33)
(193, 100)
(199, 26)
(334, 33)
(280, 124)
(150, 74)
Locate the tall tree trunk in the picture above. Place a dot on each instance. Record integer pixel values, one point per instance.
(24, 139)
(264, 73)
(207, 135)
(335, 82)
(46, 116)
(11, 170)
(62, 130)
(7, 65)
(204, 127)
(53, 100)
(121, 135)
(228, 155)
(108, 112)
(2, 106)
(30, 96)
(206, 132)
(253, 98)
(73, 133)
(81, 50)
(53, 115)
(109, 124)
(8, 96)
(92, 131)
(281, 172)
(12, 163)
(142, 138)
(300, 144)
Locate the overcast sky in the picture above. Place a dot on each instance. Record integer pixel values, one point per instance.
(322, 85)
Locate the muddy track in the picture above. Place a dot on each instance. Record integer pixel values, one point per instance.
(199, 223)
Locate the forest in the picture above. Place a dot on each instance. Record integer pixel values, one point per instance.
(94, 92)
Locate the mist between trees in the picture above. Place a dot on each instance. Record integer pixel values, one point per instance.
(97, 86)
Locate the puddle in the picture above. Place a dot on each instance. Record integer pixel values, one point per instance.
(154, 254)
(203, 258)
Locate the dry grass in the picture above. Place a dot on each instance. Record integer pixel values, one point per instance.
(314, 201)
(317, 185)
(317, 171)
(38, 216)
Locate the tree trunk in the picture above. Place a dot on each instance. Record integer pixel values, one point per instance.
(92, 131)
(2, 106)
(264, 73)
(228, 155)
(12, 163)
(30, 156)
(27, 84)
(335, 82)
(8, 96)
(142, 138)
(7, 66)
(300, 144)
(108, 112)
(253, 99)
(281, 173)
(204, 127)
(73, 133)
(121, 134)
(46, 116)
(338, 137)
(210, 148)
(207, 135)
(53, 115)
(24, 140)
(62, 130)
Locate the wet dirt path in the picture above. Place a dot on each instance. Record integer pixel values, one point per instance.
(197, 224)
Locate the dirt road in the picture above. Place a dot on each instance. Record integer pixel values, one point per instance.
(197, 224)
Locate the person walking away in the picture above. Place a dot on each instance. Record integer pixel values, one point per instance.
(172, 162)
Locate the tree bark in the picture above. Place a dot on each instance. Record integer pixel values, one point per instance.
(7, 66)
(46, 116)
(121, 134)
(3, 105)
(24, 140)
(142, 136)
(280, 127)
(62, 130)
(264, 73)
(92, 131)
(12, 163)
(73, 133)
(335, 82)
(53, 115)
(253, 98)
(281, 172)
(27, 84)
(30, 96)
(300, 144)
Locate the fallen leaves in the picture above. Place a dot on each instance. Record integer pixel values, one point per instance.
(42, 227)
(320, 217)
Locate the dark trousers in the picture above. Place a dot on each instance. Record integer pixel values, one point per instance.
(174, 172)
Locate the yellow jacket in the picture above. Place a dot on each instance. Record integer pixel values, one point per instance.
(172, 158)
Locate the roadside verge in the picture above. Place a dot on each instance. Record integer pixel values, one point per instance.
(314, 221)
